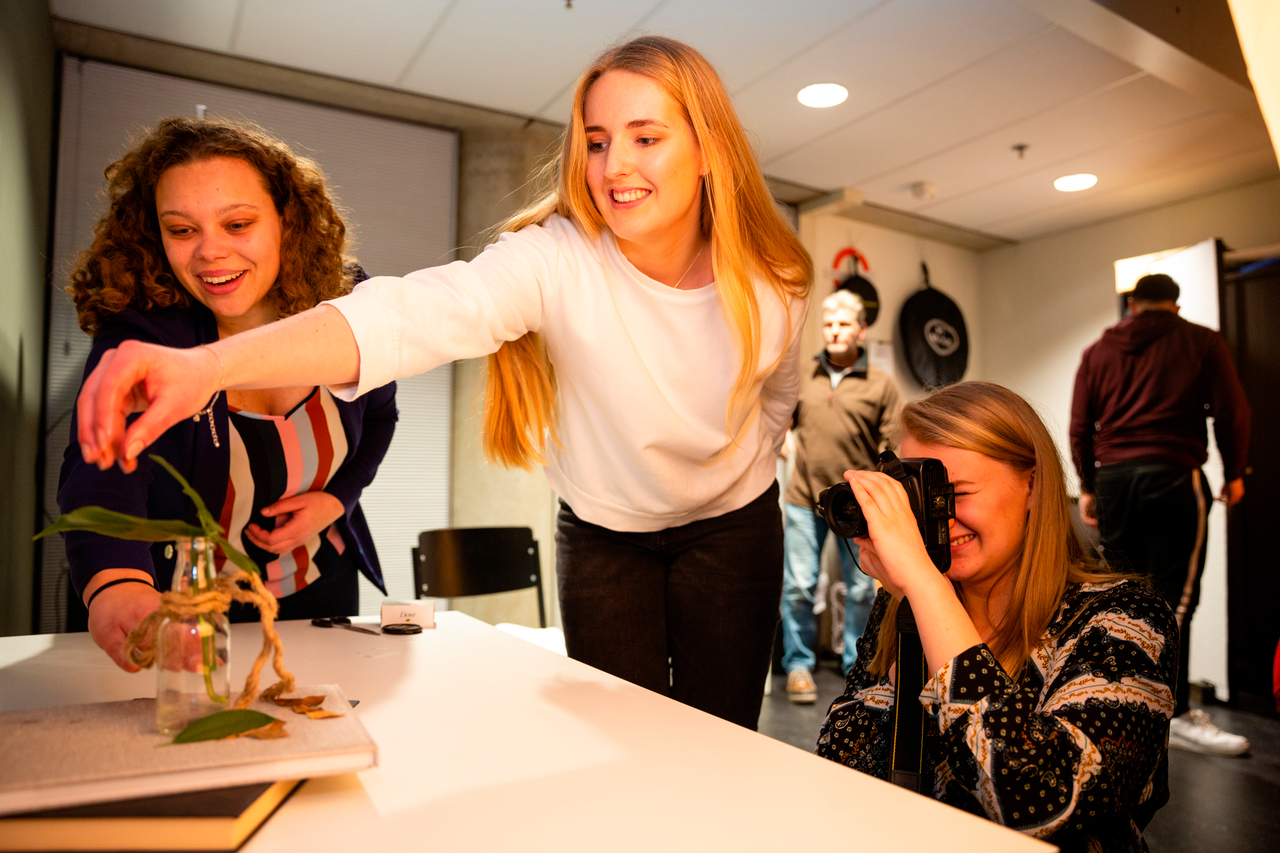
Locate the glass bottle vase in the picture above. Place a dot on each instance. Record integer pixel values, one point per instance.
(193, 675)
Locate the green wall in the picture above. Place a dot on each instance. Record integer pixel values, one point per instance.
(27, 79)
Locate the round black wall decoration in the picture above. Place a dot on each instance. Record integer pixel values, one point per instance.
(866, 291)
(855, 283)
(934, 337)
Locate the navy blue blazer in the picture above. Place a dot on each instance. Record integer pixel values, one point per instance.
(369, 423)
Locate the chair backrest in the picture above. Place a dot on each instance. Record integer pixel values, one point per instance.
(463, 561)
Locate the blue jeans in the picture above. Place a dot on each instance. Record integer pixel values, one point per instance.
(803, 536)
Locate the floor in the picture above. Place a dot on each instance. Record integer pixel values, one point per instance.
(1215, 803)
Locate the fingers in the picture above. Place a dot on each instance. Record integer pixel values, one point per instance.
(873, 567)
(293, 503)
(86, 425)
(289, 533)
(164, 384)
(114, 398)
(115, 613)
(879, 495)
(279, 541)
(113, 645)
(149, 426)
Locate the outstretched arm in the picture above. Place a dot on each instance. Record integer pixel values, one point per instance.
(167, 385)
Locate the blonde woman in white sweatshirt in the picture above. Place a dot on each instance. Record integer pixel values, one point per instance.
(641, 321)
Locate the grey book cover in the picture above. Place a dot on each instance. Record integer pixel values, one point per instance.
(75, 754)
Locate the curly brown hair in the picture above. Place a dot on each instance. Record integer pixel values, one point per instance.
(126, 266)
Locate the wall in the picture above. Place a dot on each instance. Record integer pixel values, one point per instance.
(894, 259)
(26, 144)
(1045, 300)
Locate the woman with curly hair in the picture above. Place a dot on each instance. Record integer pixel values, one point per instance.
(642, 321)
(214, 229)
(1052, 680)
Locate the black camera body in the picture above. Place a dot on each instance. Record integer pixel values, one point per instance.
(933, 501)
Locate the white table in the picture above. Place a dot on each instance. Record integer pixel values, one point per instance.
(487, 742)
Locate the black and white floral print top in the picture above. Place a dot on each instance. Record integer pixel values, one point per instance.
(1074, 752)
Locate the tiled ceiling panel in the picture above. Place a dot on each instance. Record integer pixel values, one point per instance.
(518, 56)
(1072, 131)
(197, 23)
(939, 89)
(1012, 84)
(747, 41)
(372, 40)
(1186, 144)
(1188, 182)
(882, 57)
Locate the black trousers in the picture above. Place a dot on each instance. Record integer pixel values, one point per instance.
(1153, 520)
(689, 612)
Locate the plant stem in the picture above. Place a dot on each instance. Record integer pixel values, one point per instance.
(208, 647)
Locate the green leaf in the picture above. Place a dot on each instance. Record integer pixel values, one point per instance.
(212, 530)
(223, 724)
(207, 521)
(119, 525)
(238, 557)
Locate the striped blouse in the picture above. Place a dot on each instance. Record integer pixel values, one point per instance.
(1072, 751)
(274, 457)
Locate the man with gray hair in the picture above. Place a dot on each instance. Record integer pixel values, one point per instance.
(843, 420)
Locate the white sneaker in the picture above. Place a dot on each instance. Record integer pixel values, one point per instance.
(1194, 731)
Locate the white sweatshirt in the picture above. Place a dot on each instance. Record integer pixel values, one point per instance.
(644, 371)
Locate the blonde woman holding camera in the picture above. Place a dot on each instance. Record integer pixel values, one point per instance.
(1051, 691)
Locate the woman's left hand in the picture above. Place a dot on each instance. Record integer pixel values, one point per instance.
(298, 518)
(894, 552)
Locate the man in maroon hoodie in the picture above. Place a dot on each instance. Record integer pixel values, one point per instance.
(1138, 439)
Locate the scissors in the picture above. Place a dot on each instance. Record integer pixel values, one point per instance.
(340, 622)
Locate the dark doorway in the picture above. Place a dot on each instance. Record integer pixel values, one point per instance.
(1250, 295)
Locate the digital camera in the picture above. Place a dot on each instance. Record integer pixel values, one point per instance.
(933, 501)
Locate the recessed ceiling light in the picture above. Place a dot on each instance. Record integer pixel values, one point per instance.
(822, 95)
(1075, 183)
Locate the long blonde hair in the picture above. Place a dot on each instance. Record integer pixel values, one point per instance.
(748, 237)
(994, 421)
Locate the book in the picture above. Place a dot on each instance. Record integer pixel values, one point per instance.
(220, 819)
(73, 755)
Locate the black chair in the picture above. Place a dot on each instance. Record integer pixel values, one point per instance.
(463, 561)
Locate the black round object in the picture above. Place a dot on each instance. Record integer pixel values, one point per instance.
(402, 628)
(866, 291)
(840, 510)
(934, 338)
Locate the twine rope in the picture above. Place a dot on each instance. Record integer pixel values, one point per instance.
(140, 647)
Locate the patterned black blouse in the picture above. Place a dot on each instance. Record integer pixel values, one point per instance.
(1074, 753)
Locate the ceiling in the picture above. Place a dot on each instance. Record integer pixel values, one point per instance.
(940, 90)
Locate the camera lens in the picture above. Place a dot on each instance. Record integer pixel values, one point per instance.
(839, 509)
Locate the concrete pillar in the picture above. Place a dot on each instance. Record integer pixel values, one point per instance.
(495, 171)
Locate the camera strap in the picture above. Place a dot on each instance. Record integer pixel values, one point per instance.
(907, 770)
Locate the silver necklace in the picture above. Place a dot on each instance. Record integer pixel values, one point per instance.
(208, 410)
(691, 263)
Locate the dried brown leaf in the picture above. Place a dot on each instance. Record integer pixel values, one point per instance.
(321, 714)
(270, 731)
(294, 701)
